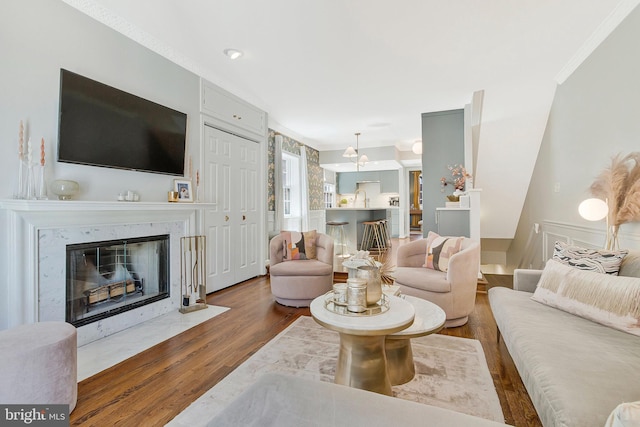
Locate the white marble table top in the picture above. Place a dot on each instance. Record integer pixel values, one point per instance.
(429, 318)
(400, 315)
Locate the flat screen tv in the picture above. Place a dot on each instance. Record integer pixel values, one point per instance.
(103, 126)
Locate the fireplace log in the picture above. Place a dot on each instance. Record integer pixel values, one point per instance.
(105, 292)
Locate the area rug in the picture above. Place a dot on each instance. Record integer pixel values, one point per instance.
(451, 372)
(99, 355)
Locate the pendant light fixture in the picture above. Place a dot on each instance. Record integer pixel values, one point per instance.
(352, 154)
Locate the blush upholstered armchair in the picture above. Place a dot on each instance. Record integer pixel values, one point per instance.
(454, 291)
(296, 283)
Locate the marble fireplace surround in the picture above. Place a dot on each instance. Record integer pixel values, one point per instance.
(40, 231)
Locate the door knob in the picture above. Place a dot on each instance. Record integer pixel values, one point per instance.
(244, 217)
(226, 217)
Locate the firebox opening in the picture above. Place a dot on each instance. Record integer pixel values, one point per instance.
(110, 277)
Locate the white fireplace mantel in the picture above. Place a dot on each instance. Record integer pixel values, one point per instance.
(24, 219)
(79, 205)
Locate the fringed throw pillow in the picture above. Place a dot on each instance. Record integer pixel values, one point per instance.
(625, 415)
(598, 260)
(613, 301)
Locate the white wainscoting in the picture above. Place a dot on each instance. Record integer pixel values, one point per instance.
(317, 221)
(271, 222)
(580, 236)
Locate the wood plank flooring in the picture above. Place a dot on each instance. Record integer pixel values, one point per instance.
(151, 388)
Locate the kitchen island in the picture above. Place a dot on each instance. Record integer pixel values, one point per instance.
(355, 217)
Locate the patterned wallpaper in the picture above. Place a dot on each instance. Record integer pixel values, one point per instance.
(315, 176)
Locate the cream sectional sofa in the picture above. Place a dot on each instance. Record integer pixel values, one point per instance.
(576, 371)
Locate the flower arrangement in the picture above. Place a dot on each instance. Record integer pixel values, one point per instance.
(619, 186)
(458, 178)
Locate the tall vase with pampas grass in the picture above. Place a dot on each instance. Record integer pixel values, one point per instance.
(619, 186)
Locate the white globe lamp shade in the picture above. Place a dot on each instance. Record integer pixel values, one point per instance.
(593, 209)
(417, 147)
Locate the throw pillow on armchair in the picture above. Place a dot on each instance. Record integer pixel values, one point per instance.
(439, 250)
(298, 245)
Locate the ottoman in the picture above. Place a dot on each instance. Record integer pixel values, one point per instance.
(39, 364)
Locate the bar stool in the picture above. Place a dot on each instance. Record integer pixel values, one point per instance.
(335, 229)
(385, 233)
(375, 236)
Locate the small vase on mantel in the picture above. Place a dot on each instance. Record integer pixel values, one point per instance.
(20, 190)
(41, 184)
(374, 283)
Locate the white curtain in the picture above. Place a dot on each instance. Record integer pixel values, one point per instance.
(279, 212)
(304, 189)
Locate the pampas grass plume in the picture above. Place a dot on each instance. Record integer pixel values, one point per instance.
(619, 184)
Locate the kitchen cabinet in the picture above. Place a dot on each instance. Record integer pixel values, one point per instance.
(348, 181)
(389, 181)
(395, 222)
(354, 230)
(367, 176)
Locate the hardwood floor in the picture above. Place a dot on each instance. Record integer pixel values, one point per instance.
(151, 388)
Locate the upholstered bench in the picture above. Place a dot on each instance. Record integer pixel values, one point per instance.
(39, 364)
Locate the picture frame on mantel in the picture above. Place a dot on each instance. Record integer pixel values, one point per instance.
(184, 188)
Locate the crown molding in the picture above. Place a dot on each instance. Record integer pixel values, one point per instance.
(126, 28)
(607, 26)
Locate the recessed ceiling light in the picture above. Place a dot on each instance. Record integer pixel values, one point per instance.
(233, 53)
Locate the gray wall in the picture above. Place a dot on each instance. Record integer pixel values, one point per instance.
(594, 116)
(442, 145)
(37, 38)
(41, 36)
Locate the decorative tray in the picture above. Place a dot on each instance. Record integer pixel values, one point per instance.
(341, 307)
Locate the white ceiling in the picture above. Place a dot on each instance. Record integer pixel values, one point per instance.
(325, 69)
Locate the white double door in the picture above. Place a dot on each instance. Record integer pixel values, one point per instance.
(232, 166)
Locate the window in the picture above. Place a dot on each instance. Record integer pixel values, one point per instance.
(291, 193)
(329, 195)
(286, 184)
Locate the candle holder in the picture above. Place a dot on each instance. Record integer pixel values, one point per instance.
(19, 192)
(31, 183)
(41, 192)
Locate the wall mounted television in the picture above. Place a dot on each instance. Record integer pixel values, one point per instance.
(100, 125)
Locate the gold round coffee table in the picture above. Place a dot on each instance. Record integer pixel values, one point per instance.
(362, 362)
(429, 319)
